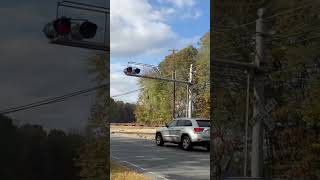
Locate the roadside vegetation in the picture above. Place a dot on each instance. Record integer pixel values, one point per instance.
(32, 153)
(120, 172)
(292, 66)
(158, 94)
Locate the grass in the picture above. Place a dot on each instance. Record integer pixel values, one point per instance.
(119, 172)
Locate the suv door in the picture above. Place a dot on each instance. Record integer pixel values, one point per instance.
(178, 129)
(167, 133)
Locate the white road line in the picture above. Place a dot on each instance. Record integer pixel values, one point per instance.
(140, 156)
(114, 157)
(143, 169)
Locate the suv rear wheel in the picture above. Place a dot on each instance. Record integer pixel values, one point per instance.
(186, 142)
(159, 139)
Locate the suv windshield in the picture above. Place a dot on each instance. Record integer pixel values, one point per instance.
(203, 123)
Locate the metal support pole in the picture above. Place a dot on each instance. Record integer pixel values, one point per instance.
(246, 126)
(174, 84)
(258, 90)
(187, 100)
(173, 94)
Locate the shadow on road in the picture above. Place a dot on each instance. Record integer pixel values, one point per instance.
(195, 148)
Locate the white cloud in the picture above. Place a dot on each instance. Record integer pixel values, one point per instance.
(136, 27)
(191, 15)
(180, 3)
(167, 11)
(140, 30)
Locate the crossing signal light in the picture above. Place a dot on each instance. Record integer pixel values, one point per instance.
(62, 26)
(130, 70)
(65, 27)
(88, 29)
(136, 70)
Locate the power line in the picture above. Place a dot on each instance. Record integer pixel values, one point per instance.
(129, 92)
(295, 34)
(50, 100)
(225, 29)
(59, 99)
(290, 10)
(298, 41)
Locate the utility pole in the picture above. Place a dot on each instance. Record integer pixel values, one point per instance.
(246, 126)
(174, 83)
(190, 92)
(258, 92)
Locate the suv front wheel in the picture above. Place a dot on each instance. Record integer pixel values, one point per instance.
(159, 140)
(186, 142)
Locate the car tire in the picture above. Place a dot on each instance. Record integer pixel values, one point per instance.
(186, 143)
(159, 140)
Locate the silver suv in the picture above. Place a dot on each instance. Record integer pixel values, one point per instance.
(187, 132)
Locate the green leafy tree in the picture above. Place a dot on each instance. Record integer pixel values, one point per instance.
(287, 81)
(158, 94)
(93, 158)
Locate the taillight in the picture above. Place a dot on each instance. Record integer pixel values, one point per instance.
(198, 130)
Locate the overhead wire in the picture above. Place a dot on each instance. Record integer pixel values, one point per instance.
(225, 29)
(295, 34)
(126, 93)
(51, 100)
(59, 99)
(289, 10)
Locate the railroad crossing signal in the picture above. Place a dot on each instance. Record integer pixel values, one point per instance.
(64, 27)
(131, 71)
(73, 32)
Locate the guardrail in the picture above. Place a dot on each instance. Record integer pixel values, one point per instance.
(132, 124)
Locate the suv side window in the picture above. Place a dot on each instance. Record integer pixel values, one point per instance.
(172, 123)
(181, 123)
(188, 123)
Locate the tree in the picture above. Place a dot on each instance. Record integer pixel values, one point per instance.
(158, 94)
(93, 158)
(202, 78)
(287, 80)
(29, 152)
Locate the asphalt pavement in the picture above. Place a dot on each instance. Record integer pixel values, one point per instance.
(166, 162)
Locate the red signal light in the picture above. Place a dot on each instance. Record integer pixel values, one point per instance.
(129, 69)
(62, 26)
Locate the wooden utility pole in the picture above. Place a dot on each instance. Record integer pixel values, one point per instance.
(174, 83)
(258, 92)
(255, 71)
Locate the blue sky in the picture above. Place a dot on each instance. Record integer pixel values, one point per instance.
(144, 31)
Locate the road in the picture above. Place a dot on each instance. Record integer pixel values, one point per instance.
(167, 162)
